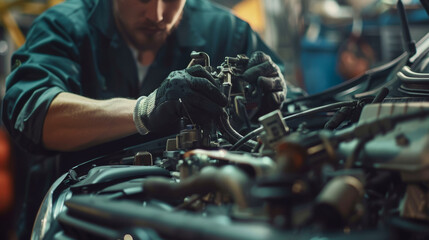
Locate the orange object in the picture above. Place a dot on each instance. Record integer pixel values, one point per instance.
(4, 150)
(290, 157)
(6, 183)
(251, 11)
(356, 56)
(6, 196)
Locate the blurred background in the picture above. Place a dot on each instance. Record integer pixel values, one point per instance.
(326, 42)
(322, 42)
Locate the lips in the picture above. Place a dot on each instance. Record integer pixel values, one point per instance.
(151, 29)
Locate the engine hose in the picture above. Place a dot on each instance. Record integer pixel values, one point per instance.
(338, 118)
(231, 134)
(228, 179)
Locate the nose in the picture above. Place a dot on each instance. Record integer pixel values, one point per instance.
(155, 11)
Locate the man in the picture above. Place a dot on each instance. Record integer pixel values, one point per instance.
(72, 81)
(93, 71)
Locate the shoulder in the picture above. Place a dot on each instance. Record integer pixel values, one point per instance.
(62, 28)
(69, 9)
(206, 12)
(68, 15)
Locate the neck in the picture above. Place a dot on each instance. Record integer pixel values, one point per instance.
(146, 57)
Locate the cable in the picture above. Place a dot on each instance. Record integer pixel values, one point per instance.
(324, 108)
(338, 118)
(344, 112)
(231, 134)
(246, 138)
(381, 95)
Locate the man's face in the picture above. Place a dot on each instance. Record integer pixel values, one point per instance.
(147, 23)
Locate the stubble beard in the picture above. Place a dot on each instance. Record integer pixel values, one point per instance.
(150, 42)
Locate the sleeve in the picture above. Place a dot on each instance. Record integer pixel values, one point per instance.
(45, 66)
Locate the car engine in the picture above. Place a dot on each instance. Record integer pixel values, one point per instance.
(348, 163)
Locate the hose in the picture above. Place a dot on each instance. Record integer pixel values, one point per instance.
(323, 108)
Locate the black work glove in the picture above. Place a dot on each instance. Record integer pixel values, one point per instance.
(263, 74)
(191, 91)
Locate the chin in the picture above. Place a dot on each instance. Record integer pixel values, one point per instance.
(150, 42)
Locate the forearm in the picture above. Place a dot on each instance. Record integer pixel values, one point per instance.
(74, 122)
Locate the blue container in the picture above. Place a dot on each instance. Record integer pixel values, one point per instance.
(319, 65)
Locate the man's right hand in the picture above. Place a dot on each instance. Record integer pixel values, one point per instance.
(192, 91)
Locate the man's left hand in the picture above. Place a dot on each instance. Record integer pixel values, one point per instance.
(266, 76)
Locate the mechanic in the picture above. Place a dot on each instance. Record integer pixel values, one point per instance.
(75, 82)
(92, 71)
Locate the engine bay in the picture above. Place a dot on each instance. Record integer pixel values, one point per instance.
(348, 163)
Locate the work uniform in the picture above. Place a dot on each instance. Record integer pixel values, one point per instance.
(76, 47)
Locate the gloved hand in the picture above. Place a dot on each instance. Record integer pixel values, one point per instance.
(265, 75)
(162, 109)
